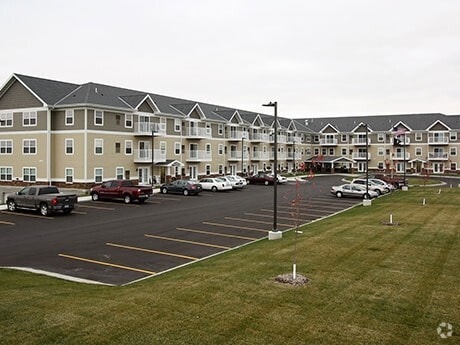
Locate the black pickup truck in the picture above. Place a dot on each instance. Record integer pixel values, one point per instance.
(46, 199)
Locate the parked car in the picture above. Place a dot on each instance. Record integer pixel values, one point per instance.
(215, 184)
(395, 180)
(280, 179)
(185, 187)
(380, 189)
(261, 178)
(387, 186)
(46, 199)
(353, 190)
(121, 189)
(236, 181)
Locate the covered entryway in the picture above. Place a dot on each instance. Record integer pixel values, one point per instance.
(169, 169)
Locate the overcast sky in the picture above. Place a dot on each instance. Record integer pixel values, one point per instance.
(316, 58)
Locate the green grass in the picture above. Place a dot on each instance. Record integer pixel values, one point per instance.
(370, 284)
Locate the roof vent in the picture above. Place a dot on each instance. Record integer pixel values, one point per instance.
(95, 89)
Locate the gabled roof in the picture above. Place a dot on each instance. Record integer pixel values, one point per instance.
(47, 91)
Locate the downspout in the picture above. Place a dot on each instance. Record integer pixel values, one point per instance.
(85, 147)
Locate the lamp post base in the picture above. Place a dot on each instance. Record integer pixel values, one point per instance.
(275, 235)
(367, 202)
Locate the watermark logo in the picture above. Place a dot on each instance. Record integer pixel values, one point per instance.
(444, 330)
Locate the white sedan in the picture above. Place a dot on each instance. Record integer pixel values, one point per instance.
(215, 184)
(236, 181)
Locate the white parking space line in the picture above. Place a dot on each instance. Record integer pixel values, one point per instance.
(152, 251)
(258, 221)
(271, 216)
(26, 215)
(96, 207)
(235, 227)
(6, 223)
(217, 234)
(185, 241)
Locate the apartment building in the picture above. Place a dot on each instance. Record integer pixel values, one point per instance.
(77, 135)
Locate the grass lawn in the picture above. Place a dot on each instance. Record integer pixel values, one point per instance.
(370, 284)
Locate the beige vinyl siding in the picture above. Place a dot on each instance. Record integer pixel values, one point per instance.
(58, 120)
(61, 160)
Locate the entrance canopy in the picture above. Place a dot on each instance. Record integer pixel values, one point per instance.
(170, 163)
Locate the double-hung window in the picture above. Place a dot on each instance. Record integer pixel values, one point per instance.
(98, 118)
(6, 147)
(29, 118)
(98, 146)
(69, 117)
(29, 174)
(69, 146)
(29, 146)
(6, 119)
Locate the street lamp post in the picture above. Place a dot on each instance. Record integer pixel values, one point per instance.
(367, 200)
(242, 154)
(275, 234)
(153, 153)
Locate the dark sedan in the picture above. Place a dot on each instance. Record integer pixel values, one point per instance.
(261, 178)
(185, 187)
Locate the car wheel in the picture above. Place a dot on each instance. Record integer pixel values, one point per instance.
(266, 183)
(339, 194)
(44, 210)
(366, 196)
(127, 199)
(379, 192)
(387, 190)
(214, 189)
(11, 206)
(95, 196)
(164, 190)
(185, 192)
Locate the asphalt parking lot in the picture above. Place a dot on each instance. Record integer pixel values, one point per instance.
(115, 243)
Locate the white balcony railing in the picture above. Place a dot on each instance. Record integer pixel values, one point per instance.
(259, 137)
(360, 141)
(360, 155)
(236, 155)
(238, 135)
(328, 141)
(438, 155)
(199, 155)
(145, 155)
(438, 140)
(256, 155)
(400, 156)
(146, 128)
(198, 132)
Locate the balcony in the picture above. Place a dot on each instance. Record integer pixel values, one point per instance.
(145, 156)
(328, 141)
(260, 156)
(360, 156)
(290, 156)
(259, 137)
(199, 156)
(399, 156)
(236, 156)
(146, 128)
(281, 139)
(236, 136)
(360, 141)
(441, 140)
(438, 156)
(197, 133)
(281, 156)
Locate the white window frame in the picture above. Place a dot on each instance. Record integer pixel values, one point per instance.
(98, 175)
(69, 174)
(6, 119)
(453, 136)
(344, 138)
(220, 129)
(29, 118)
(220, 149)
(128, 120)
(31, 175)
(208, 169)
(453, 166)
(418, 151)
(380, 137)
(98, 143)
(128, 146)
(98, 115)
(177, 148)
(67, 141)
(119, 173)
(69, 117)
(453, 151)
(29, 147)
(6, 147)
(6, 173)
(418, 136)
(380, 151)
(177, 125)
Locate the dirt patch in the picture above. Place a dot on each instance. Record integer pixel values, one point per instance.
(299, 280)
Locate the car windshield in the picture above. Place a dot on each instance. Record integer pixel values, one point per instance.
(220, 179)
